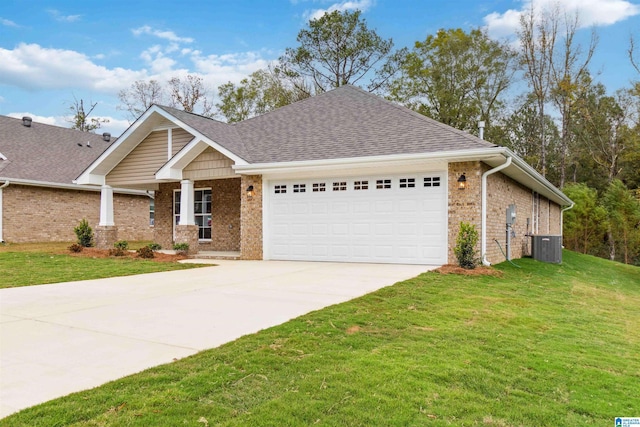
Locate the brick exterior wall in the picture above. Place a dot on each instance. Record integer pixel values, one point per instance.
(225, 214)
(465, 205)
(251, 218)
(41, 214)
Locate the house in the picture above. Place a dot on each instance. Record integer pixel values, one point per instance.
(342, 176)
(39, 201)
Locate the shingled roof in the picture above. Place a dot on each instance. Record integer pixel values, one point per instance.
(46, 153)
(345, 122)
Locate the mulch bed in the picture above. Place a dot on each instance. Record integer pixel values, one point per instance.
(104, 253)
(478, 271)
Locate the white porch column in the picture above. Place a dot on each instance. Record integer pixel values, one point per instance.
(106, 206)
(187, 198)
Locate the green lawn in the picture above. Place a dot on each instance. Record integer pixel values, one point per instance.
(35, 264)
(544, 345)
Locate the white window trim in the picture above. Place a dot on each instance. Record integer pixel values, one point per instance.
(173, 211)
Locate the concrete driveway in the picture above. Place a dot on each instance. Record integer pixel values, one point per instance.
(61, 338)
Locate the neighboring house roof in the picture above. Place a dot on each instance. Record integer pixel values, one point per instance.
(45, 153)
(346, 122)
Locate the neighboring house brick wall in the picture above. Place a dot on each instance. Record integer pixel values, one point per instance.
(225, 214)
(40, 214)
(251, 218)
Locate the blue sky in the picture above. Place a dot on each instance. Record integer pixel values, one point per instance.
(53, 51)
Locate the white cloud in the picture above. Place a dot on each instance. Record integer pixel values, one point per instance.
(362, 5)
(8, 23)
(47, 120)
(32, 67)
(219, 69)
(166, 35)
(590, 13)
(63, 18)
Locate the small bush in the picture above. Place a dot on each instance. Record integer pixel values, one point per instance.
(465, 249)
(75, 248)
(121, 244)
(145, 252)
(84, 233)
(181, 248)
(116, 252)
(154, 246)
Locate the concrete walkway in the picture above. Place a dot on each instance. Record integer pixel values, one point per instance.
(61, 338)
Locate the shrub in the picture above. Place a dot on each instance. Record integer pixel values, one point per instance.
(181, 248)
(121, 244)
(84, 233)
(145, 252)
(154, 246)
(116, 252)
(76, 248)
(465, 249)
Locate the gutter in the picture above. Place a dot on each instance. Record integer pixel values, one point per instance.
(483, 217)
(5, 185)
(71, 186)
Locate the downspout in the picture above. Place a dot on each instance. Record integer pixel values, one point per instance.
(483, 238)
(561, 217)
(5, 185)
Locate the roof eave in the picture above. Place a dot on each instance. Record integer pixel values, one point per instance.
(59, 185)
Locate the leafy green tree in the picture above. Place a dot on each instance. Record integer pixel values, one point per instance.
(585, 224)
(261, 92)
(80, 119)
(455, 77)
(623, 211)
(338, 49)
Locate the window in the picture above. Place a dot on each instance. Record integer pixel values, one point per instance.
(152, 212)
(280, 189)
(432, 181)
(361, 185)
(340, 186)
(319, 187)
(407, 182)
(202, 209)
(299, 188)
(383, 183)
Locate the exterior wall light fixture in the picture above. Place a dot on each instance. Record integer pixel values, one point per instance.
(250, 191)
(462, 182)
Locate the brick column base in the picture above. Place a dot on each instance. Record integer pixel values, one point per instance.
(106, 236)
(188, 234)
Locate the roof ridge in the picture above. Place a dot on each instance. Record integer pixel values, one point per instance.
(54, 126)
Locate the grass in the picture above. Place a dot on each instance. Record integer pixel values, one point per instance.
(544, 345)
(42, 263)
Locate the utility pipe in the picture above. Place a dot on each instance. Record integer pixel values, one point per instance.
(483, 220)
(5, 185)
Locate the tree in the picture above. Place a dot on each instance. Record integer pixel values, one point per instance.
(567, 70)
(188, 93)
(586, 223)
(624, 221)
(339, 49)
(455, 77)
(80, 119)
(537, 36)
(139, 97)
(261, 92)
(602, 132)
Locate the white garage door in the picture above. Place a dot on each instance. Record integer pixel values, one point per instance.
(382, 219)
